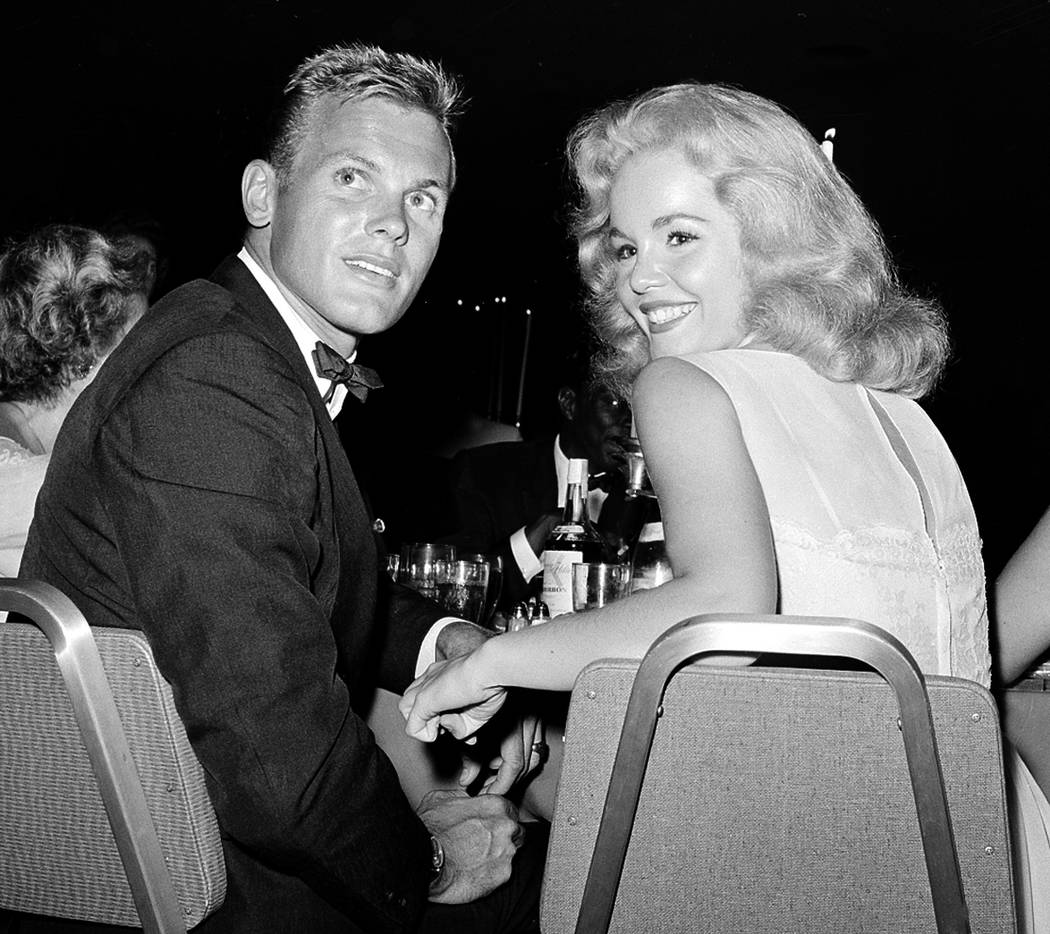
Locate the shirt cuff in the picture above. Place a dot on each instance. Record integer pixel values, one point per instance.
(428, 647)
(526, 559)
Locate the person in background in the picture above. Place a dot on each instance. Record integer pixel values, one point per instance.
(509, 495)
(146, 235)
(748, 297)
(67, 296)
(221, 516)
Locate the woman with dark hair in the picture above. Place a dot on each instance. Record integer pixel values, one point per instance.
(747, 297)
(67, 296)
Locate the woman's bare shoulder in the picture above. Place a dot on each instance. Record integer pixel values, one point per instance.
(677, 388)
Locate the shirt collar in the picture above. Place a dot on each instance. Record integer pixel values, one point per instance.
(595, 498)
(561, 468)
(304, 336)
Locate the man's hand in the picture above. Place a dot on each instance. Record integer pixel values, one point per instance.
(537, 531)
(479, 836)
(460, 638)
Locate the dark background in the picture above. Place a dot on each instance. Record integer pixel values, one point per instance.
(939, 112)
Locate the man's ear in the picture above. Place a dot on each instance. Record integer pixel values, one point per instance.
(567, 403)
(258, 192)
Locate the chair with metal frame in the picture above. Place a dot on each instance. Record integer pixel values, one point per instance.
(104, 814)
(778, 799)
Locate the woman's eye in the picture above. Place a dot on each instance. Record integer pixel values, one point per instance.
(622, 252)
(678, 237)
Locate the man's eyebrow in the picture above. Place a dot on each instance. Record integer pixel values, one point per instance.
(422, 183)
(346, 155)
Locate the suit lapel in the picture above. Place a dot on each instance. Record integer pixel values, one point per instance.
(355, 546)
(542, 491)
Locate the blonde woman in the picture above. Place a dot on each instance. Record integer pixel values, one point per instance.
(747, 297)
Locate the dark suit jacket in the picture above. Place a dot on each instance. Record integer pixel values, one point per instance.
(199, 492)
(498, 489)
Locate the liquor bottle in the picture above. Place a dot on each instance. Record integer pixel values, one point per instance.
(650, 566)
(573, 541)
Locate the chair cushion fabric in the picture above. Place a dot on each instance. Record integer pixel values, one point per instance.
(779, 800)
(57, 855)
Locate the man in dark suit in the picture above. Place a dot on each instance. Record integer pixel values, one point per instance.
(509, 495)
(201, 494)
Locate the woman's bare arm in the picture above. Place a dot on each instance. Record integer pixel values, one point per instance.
(718, 538)
(1020, 605)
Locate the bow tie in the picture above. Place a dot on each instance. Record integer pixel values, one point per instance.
(358, 379)
(608, 481)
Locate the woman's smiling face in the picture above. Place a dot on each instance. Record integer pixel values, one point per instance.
(679, 262)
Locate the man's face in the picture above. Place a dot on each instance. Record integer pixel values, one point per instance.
(355, 228)
(601, 422)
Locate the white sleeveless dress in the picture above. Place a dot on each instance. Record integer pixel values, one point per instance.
(850, 538)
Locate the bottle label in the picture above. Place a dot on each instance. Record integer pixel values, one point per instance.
(557, 580)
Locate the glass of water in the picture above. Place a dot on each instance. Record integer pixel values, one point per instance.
(427, 567)
(464, 590)
(594, 585)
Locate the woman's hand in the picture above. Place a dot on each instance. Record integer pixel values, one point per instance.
(450, 695)
(522, 751)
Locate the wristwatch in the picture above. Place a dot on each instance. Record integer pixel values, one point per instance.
(437, 858)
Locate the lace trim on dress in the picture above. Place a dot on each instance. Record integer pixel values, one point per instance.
(895, 567)
(959, 545)
(881, 547)
(11, 452)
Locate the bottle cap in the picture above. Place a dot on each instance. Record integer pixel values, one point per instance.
(519, 619)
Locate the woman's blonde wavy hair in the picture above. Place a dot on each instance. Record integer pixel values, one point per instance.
(821, 283)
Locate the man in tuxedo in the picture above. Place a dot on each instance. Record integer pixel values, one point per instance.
(201, 494)
(509, 496)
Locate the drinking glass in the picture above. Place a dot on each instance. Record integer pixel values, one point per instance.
(595, 584)
(464, 589)
(638, 482)
(495, 586)
(427, 566)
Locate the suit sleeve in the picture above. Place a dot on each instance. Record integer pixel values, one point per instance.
(401, 608)
(216, 510)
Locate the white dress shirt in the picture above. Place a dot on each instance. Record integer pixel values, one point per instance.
(528, 561)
